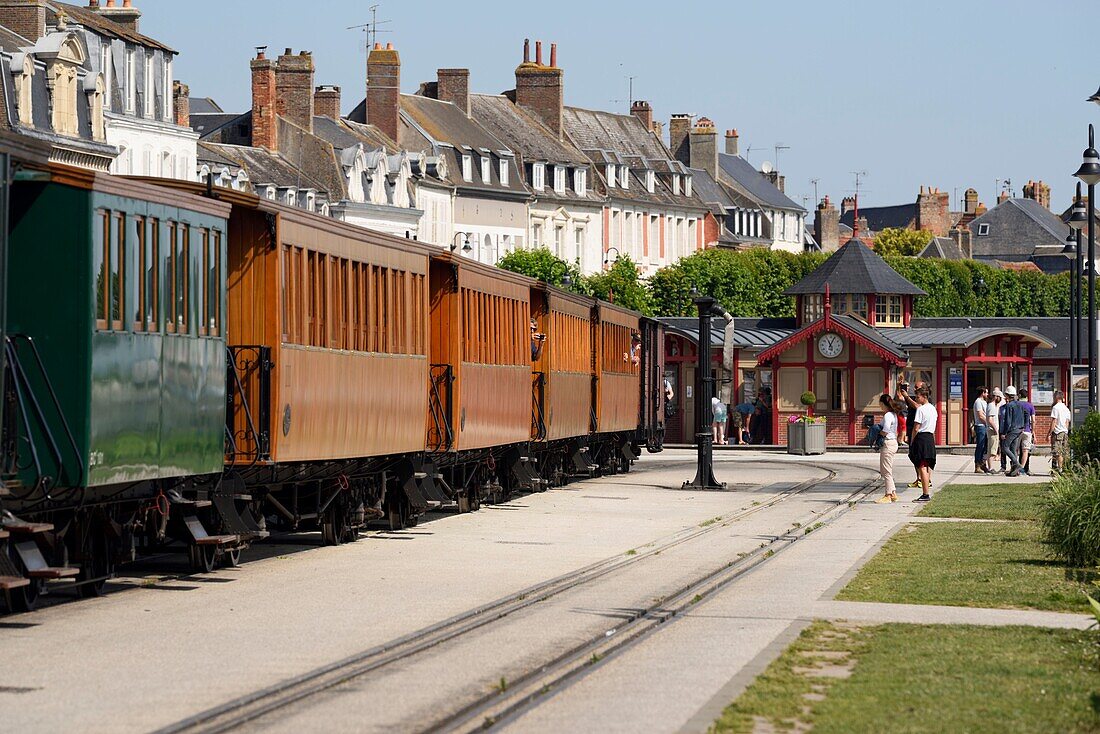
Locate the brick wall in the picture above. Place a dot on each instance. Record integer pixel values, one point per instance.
(703, 144)
(264, 129)
(453, 85)
(643, 111)
(679, 130)
(827, 225)
(294, 88)
(181, 103)
(326, 102)
(25, 17)
(540, 91)
(384, 89)
(836, 428)
(932, 211)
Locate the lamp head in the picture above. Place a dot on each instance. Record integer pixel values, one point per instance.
(1078, 218)
(1089, 172)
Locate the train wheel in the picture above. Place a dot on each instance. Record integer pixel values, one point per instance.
(334, 526)
(202, 557)
(97, 565)
(398, 514)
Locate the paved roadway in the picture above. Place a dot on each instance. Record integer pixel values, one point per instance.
(163, 646)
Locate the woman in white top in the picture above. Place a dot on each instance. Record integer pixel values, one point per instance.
(922, 452)
(889, 448)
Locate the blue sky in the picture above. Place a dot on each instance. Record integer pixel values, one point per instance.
(943, 93)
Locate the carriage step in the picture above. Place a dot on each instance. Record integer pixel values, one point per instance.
(36, 565)
(20, 527)
(201, 537)
(8, 583)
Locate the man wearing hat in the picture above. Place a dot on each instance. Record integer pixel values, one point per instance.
(1012, 430)
(993, 420)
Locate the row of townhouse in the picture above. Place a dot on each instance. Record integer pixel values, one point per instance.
(481, 174)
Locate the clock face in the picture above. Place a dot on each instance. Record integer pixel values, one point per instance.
(830, 345)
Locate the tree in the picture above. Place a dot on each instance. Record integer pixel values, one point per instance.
(891, 241)
(545, 266)
(621, 285)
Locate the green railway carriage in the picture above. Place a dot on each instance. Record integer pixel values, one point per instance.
(121, 288)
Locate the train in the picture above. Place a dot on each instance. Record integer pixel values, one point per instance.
(194, 367)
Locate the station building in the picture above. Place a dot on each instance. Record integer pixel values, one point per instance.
(854, 336)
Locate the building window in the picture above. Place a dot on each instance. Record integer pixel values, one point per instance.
(813, 308)
(63, 97)
(538, 176)
(676, 185)
(580, 181)
(888, 311)
(131, 80)
(983, 229)
(25, 91)
(166, 89)
(536, 235)
(578, 243)
(147, 71)
(611, 175)
(467, 167)
(852, 304)
(559, 179)
(503, 172)
(624, 177)
(485, 164)
(107, 65)
(650, 181)
(687, 185)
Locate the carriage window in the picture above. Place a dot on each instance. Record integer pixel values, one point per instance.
(284, 287)
(170, 280)
(182, 280)
(214, 271)
(151, 272)
(137, 281)
(204, 283)
(118, 271)
(100, 258)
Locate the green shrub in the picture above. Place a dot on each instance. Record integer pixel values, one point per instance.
(1071, 517)
(1084, 442)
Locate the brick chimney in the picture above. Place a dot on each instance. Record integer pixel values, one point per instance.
(453, 85)
(264, 129)
(778, 181)
(127, 15)
(847, 204)
(25, 17)
(1003, 197)
(827, 225)
(703, 147)
(1038, 191)
(962, 237)
(643, 111)
(933, 211)
(181, 103)
(970, 201)
(731, 143)
(540, 88)
(679, 134)
(326, 101)
(384, 89)
(294, 88)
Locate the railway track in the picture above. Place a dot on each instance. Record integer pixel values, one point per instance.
(499, 706)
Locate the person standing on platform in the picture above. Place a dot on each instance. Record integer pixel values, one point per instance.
(1027, 438)
(993, 433)
(1012, 429)
(910, 418)
(1060, 419)
(922, 452)
(718, 418)
(888, 447)
(981, 430)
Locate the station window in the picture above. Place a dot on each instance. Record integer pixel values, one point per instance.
(888, 311)
(813, 307)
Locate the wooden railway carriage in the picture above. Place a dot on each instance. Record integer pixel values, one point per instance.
(117, 364)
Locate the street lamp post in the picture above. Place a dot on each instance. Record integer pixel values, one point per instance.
(704, 390)
(1070, 251)
(607, 256)
(1089, 173)
(466, 246)
(1077, 220)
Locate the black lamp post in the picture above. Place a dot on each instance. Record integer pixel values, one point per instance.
(1089, 173)
(1070, 251)
(704, 390)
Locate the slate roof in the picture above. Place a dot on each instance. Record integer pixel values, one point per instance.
(716, 197)
(1054, 330)
(207, 123)
(93, 21)
(899, 216)
(924, 337)
(754, 184)
(203, 106)
(264, 167)
(944, 248)
(1016, 227)
(882, 338)
(522, 132)
(854, 268)
(748, 333)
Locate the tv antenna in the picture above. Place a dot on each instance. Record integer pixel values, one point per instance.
(751, 148)
(814, 182)
(778, 148)
(371, 28)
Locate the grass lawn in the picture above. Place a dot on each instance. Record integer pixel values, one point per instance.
(971, 564)
(988, 501)
(917, 678)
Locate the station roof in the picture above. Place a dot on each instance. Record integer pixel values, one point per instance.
(748, 333)
(854, 268)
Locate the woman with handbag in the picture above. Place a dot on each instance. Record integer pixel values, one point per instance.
(888, 446)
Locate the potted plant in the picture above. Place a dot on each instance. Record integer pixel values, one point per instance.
(805, 432)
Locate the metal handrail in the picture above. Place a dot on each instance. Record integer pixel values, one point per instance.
(258, 432)
(538, 421)
(441, 434)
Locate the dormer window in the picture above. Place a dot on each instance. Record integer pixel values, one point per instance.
(983, 229)
(467, 167)
(485, 169)
(624, 177)
(107, 67)
(503, 172)
(538, 176)
(166, 88)
(650, 181)
(676, 185)
(24, 86)
(559, 179)
(149, 84)
(888, 311)
(580, 181)
(813, 308)
(687, 185)
(611, 179)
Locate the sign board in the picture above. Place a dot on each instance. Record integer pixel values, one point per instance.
(1042, 387)
(1079, 393)
(954, 383)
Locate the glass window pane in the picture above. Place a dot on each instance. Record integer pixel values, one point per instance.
(102, 238)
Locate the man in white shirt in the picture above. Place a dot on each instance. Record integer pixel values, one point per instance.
(981, 430)
(1060, 419)
(922, 451)
(993, 429)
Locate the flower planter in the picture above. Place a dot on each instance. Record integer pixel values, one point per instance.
(806, 438)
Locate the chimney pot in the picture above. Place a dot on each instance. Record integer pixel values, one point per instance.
(389, 47)
(127, 3)
(110, 3)
(527, 50)
(93, 4)
(554, 55)
(538, 52)
(540, 91)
